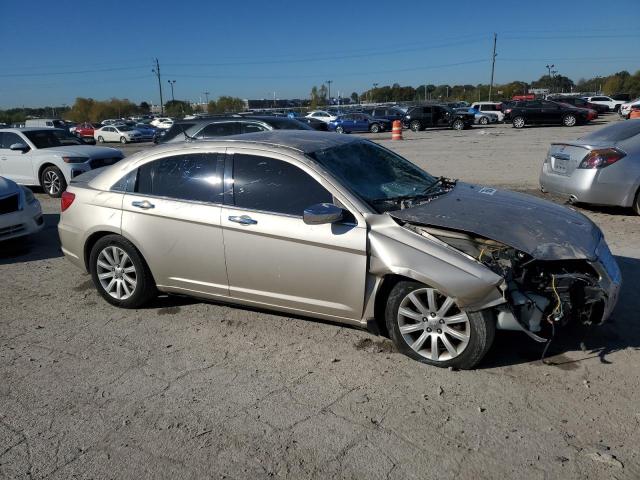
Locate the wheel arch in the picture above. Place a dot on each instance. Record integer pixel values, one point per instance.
(43, 166)
(93, 238)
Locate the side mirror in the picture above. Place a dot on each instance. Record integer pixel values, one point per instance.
(19, 146)
(322, 213)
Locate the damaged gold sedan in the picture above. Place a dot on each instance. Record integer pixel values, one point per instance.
(342, 229)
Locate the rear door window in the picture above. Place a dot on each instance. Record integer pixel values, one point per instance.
(270, 185)
(220, 129)
(193, 177)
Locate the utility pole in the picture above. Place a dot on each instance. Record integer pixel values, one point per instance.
(425, 92)
(157, 72)
(172, 83)
(329, 82)
(493, 63)
(206, 95)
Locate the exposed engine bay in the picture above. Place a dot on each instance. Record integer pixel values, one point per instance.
(540, 294)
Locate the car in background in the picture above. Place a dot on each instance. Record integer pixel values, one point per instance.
(625, 108)
(314, 123)
(67, 138)
(490, 107)
(481, 118)
(45, 123)
(428, 116)
(36, 157)
(579, 103)
(158, 120)
(610, 103)
(147, 131)
(117, 133)
(226, 126)
(358, 122)
(85, 130)
(438, 264)
(388, 113)
(164, 124)
(20, 211)
(601, 168)
(625, 97)
(322, 115)
(545, 112)
(110, 121)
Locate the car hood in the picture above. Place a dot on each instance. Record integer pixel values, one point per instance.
(7, 187)
(83, 151)
(542, 229)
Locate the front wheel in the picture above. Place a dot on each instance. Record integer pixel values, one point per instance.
(484, 121)
(120, 273)
(518, 122)
(569, 120)
(339, 129)
(428, 326)
(123, 139)
(457, 124)
(52, 181)
(375, 128)
(636, 204)
(100, 140)
(415, 126)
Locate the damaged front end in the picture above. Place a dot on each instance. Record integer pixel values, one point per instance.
(540, 292)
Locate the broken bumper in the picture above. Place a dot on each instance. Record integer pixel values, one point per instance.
(610, 277)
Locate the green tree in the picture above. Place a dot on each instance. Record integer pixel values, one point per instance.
(226, 104)
(177, 108)
(354, 97)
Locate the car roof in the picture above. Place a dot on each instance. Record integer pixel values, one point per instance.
(28, 129)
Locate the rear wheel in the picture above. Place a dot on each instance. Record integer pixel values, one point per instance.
(375, 128)
(484, 121)
(569, 120)
(339, 129)
(415, 126)
(123, 139)
(518, 122)
(457, 124)
(428, 326)
(636, 203)
(52, 181)
(120, 273)
(100, 140)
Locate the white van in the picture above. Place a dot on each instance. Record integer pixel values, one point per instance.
(45, 122)
(493, 107)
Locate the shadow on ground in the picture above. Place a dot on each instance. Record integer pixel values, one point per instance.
(620, 332)
(41, 246)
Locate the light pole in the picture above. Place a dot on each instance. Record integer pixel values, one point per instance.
(375, 87)
(172, 83)
(329, 82)
(555, 76)
(206, 95)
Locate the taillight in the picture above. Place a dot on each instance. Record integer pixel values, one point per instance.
(601, 158)
(66, 200)
(508, 110)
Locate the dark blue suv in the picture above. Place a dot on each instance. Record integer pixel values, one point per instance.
(359, 122)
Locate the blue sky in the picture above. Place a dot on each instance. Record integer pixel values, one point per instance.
(56, 51)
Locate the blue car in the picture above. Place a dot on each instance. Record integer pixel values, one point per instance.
(148, 132)
(359, 122)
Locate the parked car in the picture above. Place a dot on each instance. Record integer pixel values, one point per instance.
(625, 108)
(45, 123)
(491, 107)
(439, 264)
(20, 211)
(110, 121)
(314, 123)
(625, 97)
(610, 103)
(226, 126)
(85, 130)
(117, 133)
(322, 115)
(601, 168)
(419, 118)
(388, 113)
(67, 138)
(157, 121)
(164, 124)
(358, 122)
(35, 156)
(591, 114)
(147, 131)
(545, 112)
(579, 103)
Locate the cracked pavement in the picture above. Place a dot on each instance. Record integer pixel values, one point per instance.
(190, 389)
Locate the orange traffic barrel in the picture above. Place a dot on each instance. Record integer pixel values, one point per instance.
(396, 131)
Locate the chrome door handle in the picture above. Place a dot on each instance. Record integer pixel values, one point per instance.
(243, 220)
(145, 204)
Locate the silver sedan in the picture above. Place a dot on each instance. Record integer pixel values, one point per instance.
(602, 168)
(338, 228)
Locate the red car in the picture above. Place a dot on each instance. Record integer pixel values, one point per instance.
(85, 130)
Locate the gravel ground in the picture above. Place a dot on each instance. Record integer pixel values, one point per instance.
(189, 389)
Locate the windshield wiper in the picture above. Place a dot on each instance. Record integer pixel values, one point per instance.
(440, 186)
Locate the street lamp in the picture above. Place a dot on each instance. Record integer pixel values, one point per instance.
(329, 82)
(375, 87)
(172, 83)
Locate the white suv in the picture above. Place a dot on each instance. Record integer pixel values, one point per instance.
(490, 107)
(614, 105)
(35, 156)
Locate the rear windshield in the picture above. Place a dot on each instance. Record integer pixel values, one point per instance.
(616, 132)
(175, 130)
(286, 124)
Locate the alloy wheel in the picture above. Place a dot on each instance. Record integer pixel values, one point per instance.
(569, 120)
(52, 183)
(116, 272)
(518, 122)
(433, 325)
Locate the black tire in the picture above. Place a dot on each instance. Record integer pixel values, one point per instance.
(457, 124)
(100, 139)
(145, 288)
(374, 128)
(518, 122)
(53, 182)
(636, 203)
(415, 125)
(569, 120)
(123, 140)
(484, 121)
(481, 331)
(339, 129)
